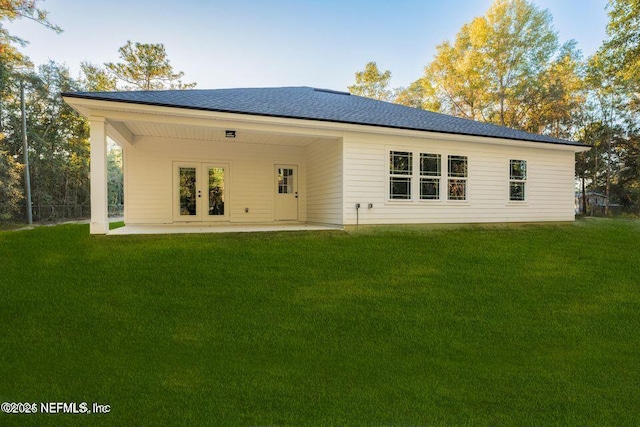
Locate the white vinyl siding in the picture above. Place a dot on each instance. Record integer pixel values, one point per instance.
(149, 177)
(550, 182)
(324, 181)
(335, 174)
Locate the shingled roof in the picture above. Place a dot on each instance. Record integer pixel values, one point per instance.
(317, 104)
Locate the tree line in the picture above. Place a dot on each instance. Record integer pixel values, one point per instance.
(58, 137)
(509, 68)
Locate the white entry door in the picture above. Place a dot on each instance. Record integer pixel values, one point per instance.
(286, 193)
(200, 192)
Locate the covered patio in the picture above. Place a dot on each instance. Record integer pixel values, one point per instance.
(193, 171)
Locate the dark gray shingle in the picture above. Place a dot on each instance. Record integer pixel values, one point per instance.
(317, 104)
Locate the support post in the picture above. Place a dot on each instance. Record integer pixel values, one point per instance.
(99, 205)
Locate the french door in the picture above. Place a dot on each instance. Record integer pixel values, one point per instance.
(200, 192)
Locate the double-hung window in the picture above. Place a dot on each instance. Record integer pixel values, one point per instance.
(517, 180)
(400, 175)
(430, 172)
(458, 173)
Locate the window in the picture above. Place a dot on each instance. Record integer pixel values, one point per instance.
(517, 179)
(187, 191)
(400, 175)
(285, 181)
(216, 191)
(458, 169)
(426, 183)
(430, 171)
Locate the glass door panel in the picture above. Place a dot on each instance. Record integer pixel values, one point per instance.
(216, 191)
(187, 189)
(200, 192)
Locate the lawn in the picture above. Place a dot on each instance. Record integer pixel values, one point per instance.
(517, 325)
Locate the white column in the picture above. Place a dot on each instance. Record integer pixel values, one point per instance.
(99, 208)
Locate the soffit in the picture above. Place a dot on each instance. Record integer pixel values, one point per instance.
(217, 134)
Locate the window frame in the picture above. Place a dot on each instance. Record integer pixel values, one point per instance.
(427, 175)
(398, 175)
(454, 177)
(415, 176)
(285, 184)
(517, 180)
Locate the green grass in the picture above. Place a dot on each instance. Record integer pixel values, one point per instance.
(502, 325)
(12, 225)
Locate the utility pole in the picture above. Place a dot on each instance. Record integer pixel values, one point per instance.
(25, 149)
(608, 187)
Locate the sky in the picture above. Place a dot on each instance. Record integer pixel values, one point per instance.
(271, 43)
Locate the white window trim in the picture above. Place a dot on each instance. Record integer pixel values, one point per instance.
(415, 178)
(438, 177)
(465, 179)
(411, 176)
(525, 181)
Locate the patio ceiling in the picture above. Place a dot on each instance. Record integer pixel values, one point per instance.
(128, 122)
(208, 133)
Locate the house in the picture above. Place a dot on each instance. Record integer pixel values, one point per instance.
(596, 203)
(306, 155)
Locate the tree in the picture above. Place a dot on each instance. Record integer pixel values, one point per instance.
(146, 67)
(58, 142)
(455, 74)
(622, 48)
(372, 83)
(555, 101)
(591, 166)
(10, 188)
(96, 78)
(507, 68)
(626, 186)
(10, 118)
(11, 10)
(59, 138)
(420, 94)
(115, 177)
(10, 57)
(613, 82)
(605, 100)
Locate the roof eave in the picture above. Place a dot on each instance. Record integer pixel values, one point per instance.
(578, 146)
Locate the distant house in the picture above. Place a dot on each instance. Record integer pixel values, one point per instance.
(305, 155)
(596, 203)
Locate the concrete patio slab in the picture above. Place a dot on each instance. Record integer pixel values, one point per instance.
(216, 228)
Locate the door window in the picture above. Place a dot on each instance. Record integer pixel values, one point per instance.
(216, 191)
(201, 192)
(285, 181)
(187, 177)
